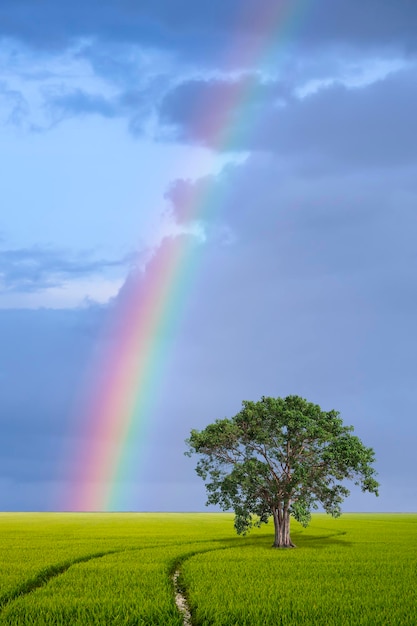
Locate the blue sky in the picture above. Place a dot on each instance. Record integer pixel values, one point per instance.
(306, 282)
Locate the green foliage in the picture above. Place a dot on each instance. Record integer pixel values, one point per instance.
(280, 454)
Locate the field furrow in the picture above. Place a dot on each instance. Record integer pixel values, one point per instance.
(44, 576)
(95, 569)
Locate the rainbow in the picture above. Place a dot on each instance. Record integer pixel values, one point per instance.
(117, 412)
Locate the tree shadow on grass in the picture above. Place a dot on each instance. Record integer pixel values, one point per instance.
(301, 541)
(322, 541)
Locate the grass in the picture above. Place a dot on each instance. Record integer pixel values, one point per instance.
(83, 569)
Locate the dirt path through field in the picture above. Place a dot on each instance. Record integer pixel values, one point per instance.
(181, 600)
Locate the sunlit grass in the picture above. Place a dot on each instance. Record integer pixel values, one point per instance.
(87, 569)
(356, 570)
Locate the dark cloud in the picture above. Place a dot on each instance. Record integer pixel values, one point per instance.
(61, 104)
(204, 110)
(30, 269)
(79, 102)
(205, 28)
(122, 64)
(222, 36)
(148, 23)
(293, 230)
(364, 126)
(16, 103)
(184, 195)
(364, 23)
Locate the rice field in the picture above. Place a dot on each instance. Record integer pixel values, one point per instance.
(93, 568)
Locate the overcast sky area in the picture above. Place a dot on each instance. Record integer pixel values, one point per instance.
(303, 277)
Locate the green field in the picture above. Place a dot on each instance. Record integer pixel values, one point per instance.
(81, 569)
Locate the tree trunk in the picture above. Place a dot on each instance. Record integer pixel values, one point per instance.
(282, 537)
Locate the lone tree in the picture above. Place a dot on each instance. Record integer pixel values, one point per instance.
(280, 457)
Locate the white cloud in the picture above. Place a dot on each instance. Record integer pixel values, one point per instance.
(359, 73)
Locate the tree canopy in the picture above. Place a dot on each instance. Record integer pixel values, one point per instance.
(280, 457)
